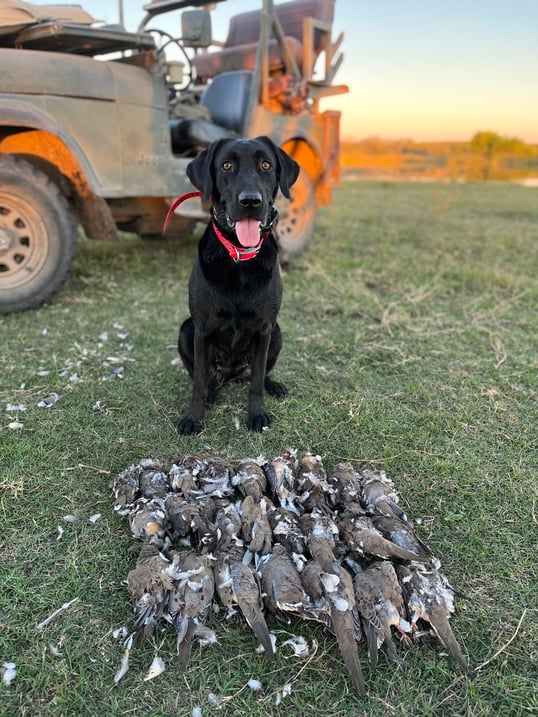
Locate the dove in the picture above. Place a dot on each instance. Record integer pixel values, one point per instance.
(378, 494)
(380, 604)
(315, 491)
(148, 519)
(249, 479)
(286, 530)
(190, 600)
(153, 479)
(185, 519)
(283, 589)
(228, 525)
(238, 585)
(334, 592)
(345, 486)
(126, 488)
(320, 532)
(362, 538)
(149, 584)
(215, 478)
(281, 478)
(182, 475)
(276, 538)
(428, 596)
(402, 534)
(255, 528)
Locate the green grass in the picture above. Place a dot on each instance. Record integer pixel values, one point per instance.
(410, 343)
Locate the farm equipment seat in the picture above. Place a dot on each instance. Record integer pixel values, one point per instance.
(226, 99)
(239, 51)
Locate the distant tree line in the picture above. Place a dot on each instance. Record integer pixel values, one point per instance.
(490, 145)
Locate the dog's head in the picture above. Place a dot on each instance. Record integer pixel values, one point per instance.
(242, 177)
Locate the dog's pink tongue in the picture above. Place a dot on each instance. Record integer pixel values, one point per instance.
(248, 231)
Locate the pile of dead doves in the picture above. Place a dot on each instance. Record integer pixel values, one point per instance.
(283, 537)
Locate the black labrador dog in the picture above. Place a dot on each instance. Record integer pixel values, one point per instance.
(235, 287)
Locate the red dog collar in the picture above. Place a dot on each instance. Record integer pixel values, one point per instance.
(176, 204)
(234, 251)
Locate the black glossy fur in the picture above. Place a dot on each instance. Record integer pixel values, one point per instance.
(233, 331)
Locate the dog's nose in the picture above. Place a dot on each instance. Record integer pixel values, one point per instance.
(250, 199)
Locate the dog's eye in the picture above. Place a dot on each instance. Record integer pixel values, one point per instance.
(266, 166)
(226, 166)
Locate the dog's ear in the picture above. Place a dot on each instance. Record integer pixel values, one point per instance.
(287, 169)
(200, 170)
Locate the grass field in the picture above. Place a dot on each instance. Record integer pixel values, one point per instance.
(410, 343)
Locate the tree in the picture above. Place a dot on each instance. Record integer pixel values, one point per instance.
(490, 145)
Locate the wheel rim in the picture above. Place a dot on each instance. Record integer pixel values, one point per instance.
(297, 216)
(24, 241)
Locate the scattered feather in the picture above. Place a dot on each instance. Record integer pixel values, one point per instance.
(120, 633)
(117, 373)
(100, 407)
(123, 668)
(156, 668)
(214, 701)
(60, 532)
(254, 685)
(9, 672)
(57, 612)
(48, 401)
(70, 518)
(55, 650)
(15, 425)
(115, 359)
(284, 692)
(94, 518)
(196, 712)
(15, 408)
(299, 646)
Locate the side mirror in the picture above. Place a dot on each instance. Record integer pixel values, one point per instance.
(196, 28)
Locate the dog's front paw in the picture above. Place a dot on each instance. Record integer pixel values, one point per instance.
(258, 421)
(274, 388)
(189, 426)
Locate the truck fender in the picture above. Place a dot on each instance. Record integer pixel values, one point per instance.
(31, 133)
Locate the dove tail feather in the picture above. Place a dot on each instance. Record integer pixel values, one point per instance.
(371, 638)
(184, 646)
(257, 624)
(391, 649)
(351, 658)
(350, 653)
(444, 633)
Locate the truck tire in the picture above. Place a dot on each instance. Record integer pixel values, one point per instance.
(297, 217)
(37, 236)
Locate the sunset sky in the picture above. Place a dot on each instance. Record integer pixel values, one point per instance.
(418, 69)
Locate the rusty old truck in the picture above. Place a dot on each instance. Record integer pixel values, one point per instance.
(98, 124)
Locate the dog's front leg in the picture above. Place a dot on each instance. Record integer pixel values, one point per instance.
(191, 423)
(258, 418)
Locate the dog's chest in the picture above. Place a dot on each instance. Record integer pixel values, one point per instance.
(238, 325)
